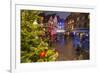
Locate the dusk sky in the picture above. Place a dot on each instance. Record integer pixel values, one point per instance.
(60, 14)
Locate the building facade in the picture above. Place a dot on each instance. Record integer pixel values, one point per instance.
(77, 20)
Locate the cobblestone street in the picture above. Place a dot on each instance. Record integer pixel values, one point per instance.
(66, 50)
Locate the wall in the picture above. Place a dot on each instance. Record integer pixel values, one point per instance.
(5, 37)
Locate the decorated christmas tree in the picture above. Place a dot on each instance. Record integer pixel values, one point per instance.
(34, 43)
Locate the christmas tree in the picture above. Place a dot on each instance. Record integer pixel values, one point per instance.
(34, 43)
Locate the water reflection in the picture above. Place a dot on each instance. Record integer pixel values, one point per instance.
(77, 44)
(60, 39)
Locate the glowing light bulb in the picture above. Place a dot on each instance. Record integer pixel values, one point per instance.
(35, 22)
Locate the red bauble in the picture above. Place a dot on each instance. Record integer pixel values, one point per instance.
(42, 54)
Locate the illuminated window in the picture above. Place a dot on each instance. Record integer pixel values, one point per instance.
(72, 21)
(78, 18)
